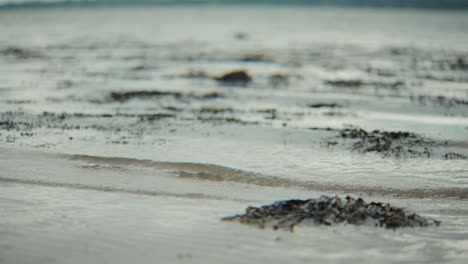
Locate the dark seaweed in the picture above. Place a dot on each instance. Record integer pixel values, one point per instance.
(329, 211)
(398, 144)
(439, 100)
(125, 96)
(455, 156)
(329, 105)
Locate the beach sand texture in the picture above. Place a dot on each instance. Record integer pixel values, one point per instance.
(127, 134)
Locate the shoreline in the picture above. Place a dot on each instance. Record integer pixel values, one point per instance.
(105, 219)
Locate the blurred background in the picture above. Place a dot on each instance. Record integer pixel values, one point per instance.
(375, 3)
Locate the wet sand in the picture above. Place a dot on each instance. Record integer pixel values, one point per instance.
(78, 213)
(122, 145)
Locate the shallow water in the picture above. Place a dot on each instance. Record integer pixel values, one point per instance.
(149, 177)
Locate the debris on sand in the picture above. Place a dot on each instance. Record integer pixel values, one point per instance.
(279, 79)
(398, 144)
(241, 36)
(456, 64)
(125, 96)
(10, 125)
(235, 77)
(459, 64)
(395, 85)
(256, 57)
(209, 95)
(19, 53)
(345, 83)
(327, 105)
(329, 211)
(224, 120)
(193, 74)
(455, 156)
(214, 110)
(439, 101)
(139, 68)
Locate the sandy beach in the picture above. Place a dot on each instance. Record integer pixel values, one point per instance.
(77, 211)
(128, 141)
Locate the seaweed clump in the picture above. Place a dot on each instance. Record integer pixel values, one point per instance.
(398, 144)
(455, 156)
(328, 211)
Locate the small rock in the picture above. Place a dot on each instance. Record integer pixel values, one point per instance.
(235, 77)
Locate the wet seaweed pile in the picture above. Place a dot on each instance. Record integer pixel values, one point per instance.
(329, 211)
(396, 144)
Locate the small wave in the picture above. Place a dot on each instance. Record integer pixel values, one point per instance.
(217, 173)
(77, 186)
(210, 169)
